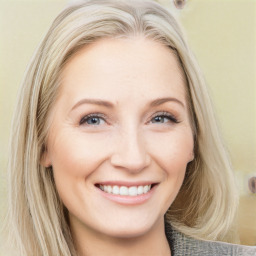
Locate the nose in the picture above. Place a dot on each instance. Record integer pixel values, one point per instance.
(130, 152)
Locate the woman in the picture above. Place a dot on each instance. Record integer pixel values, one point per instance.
(115, 149)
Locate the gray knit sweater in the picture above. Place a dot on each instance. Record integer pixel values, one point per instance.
(182, 245)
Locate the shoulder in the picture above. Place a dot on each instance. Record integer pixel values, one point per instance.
(182, 245)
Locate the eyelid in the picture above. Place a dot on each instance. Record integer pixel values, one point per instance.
(173, 118)
(167, 114)
(86, 117)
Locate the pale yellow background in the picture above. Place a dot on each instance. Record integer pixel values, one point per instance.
(222, 34)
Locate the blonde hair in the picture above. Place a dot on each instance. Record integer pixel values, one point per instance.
(206, 204)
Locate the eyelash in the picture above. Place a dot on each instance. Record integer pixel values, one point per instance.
(90, 116)
(167, 115)
(163, 114)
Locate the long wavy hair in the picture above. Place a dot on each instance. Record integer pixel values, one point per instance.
(37, 220)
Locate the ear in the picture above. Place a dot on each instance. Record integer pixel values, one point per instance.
(45, 158)
(192, 156)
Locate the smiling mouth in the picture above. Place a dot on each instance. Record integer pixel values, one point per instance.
(124, 190)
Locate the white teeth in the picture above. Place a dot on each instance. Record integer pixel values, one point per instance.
(140, 190)
(125, 191)
(109, 189)
(146, 188)
(115, 190)
(133, 191)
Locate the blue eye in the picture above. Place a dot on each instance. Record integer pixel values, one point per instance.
(164, 118)
(92, 120)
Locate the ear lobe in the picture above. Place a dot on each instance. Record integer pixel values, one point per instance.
(192, 156)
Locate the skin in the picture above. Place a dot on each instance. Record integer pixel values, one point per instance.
(131, 141)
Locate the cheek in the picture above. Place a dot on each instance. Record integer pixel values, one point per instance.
(76, 153)
(74, 158)
(172, 151)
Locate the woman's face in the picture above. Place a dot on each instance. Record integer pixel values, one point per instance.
(120, 137)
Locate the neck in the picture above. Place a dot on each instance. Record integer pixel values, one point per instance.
(153, 242)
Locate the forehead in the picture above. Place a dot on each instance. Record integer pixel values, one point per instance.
(116, 67)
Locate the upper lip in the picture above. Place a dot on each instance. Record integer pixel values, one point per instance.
(126, 183)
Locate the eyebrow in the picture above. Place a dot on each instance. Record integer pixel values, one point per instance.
(108, 104)
(161, 101)
(94, 102)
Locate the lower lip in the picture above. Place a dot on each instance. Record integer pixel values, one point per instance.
(128, 200)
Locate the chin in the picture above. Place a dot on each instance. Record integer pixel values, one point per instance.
(129, 228)
(128, 232)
